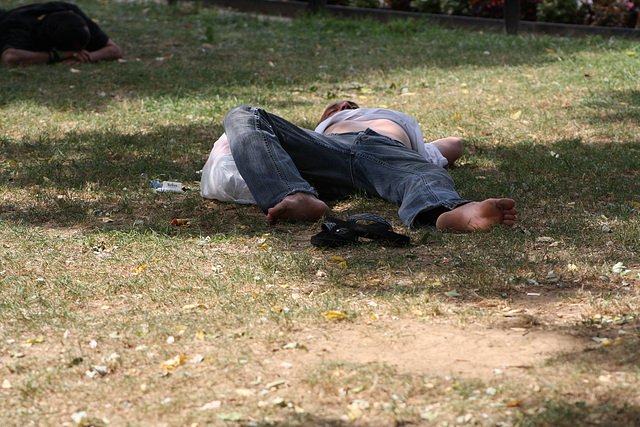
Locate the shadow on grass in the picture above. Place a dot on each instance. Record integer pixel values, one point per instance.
(82, 179)
(596, 177)
(69, 175)
(612, 408)
(212, 54)
(615, 107)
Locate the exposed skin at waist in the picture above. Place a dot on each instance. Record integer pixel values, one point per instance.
(382, 126)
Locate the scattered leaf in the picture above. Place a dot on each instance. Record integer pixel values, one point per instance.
(79, 417)
(275, 384)
(234, 416)
(174, 362)
(193, 306)
(331, 314)
(516, 115)
(139, 269)
(513, 403)
(453, 293)
(214, 404)
(294, 346)
(245, 392)
(341, 262)
(618, 268)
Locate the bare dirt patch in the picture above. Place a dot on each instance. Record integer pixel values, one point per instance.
(442, 349)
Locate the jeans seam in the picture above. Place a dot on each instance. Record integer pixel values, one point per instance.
(259, 127)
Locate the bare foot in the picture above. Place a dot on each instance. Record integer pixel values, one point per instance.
(476, 216)
(298, 207)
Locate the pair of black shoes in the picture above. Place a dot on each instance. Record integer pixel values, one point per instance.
(336, 232)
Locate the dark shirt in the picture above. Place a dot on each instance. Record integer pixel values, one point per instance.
(20, 28)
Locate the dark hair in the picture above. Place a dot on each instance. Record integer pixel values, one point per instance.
(338, 106)
(66, 31)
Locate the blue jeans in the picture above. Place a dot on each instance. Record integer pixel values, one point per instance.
(277, 158)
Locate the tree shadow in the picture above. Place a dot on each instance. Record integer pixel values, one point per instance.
(619, 106)
(104, 179)
(247, 52)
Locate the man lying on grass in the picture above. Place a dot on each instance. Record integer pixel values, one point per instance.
(51, 32)
(290, 170)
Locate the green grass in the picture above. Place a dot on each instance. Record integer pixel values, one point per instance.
(88, 253)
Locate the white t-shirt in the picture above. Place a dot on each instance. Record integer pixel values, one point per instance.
(427, 150)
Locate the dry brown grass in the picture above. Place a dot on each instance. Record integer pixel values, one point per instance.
(99, 293)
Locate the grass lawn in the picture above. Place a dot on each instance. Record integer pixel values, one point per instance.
(109, 314)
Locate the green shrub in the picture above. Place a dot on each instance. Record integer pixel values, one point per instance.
(456, 7)
(399, 4)
(369, 4)
(614, 13)
(428, 6)
(563, 11)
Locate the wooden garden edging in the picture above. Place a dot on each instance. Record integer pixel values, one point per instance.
(511, 25)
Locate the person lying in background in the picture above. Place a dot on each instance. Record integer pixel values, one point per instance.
(46, 33)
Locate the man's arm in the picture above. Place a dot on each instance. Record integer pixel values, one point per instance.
(24, 57)
(110, 52)
(13, 56)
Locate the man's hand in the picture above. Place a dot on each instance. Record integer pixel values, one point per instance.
(83, 56)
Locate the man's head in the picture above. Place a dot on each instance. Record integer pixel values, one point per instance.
(66, 31)
(336, 107)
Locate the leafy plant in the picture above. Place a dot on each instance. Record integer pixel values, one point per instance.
(456, 7)
(564, 11)
(613, 13)
(428, 6)
(495, 9)
(369, 4)
(399, 4)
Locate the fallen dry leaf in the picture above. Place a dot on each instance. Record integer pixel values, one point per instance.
(513, 403)
(174, 362)
(331, 314)
(139, 269)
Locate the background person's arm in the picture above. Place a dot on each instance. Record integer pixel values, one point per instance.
(110, 52)
(24, 57)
